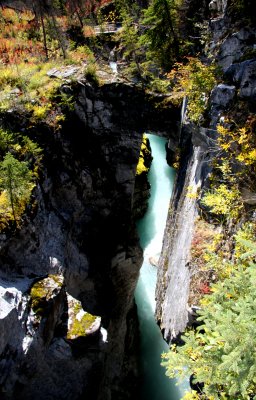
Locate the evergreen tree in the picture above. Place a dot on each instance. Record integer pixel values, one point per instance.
(220, 354)
(160, 21)
(130, 39)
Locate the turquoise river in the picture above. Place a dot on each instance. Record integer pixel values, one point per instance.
(155, 385)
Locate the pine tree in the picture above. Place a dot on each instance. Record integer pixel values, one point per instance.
(220, 354)
(160, 20)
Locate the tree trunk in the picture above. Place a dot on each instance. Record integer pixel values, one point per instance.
(59, 36)
(175, 38)
(9, 172)
(44, 34)
(79, 18)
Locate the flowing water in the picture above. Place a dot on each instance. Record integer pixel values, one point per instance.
(155, 384)
(113, 66)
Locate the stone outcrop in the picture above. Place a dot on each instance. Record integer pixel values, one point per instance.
(59, 339)
(80, 227)
(142, 185)
(242, 75)
(173, 281)
(197, 146)
(217, 7)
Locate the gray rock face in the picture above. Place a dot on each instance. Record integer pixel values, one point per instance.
(81, 228)
(218, 6)
(173, 279)
(229, 40)
(243, 75)
(221, 97)
(248, 197)
(234, 46)
(26, 329)
(197, 143)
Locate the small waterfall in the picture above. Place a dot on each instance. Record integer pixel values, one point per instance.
(183, 111)
(113, 66)
(113, 61)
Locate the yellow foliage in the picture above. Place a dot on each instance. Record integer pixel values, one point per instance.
(239, 143)
(36, 87)
(193, 395)
(40, 112)
(9, 76)
(223, 201)
(192, 193)
(195, 81)
(141, 167)
(5, 210)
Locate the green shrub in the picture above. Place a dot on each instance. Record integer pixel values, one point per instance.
(219, 352)
(91, 74)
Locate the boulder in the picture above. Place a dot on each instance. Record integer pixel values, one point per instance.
(243, 75)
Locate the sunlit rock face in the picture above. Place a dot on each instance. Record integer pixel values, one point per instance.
(230, 43)
(174, 273)
(81, 228)
(36, 352)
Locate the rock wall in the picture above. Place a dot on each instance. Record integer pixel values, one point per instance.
(173, 281)
(80, 229)
(236, 93)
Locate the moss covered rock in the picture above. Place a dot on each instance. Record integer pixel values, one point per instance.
(145, 157)
(142, 185)
(80, 322)
(43, 291)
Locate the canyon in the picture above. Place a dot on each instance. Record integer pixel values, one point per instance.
(74, 263)
(82, 232)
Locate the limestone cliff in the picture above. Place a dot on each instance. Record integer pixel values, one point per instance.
(233, 46)
(173, 282)
(80, 231)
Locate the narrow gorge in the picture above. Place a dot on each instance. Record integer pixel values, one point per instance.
(73, 325)
(81, 232)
